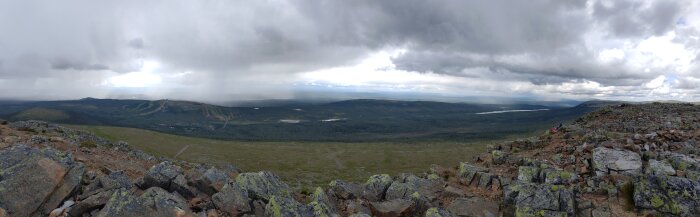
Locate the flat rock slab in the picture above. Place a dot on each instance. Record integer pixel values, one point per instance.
(33, 182)
(606, 161)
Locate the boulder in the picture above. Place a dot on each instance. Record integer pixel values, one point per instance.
(154, 202)
(437, 212)
(375, 187)
(529, 199)
(232, 200)
(33, 182)
(468, 172)
(161, 175)
(179, 185)
(208, 181)
(321, 204)
(475, 206)
(683, 162)
(340, 189)
(404, 187)
(90, 203)
(606, 161)
(263, 185)
(99, 184)
(528, 174)
(660, 168)
(668, 194)
(392, 208)
(498, 157)
(320, 209)
(286, 207)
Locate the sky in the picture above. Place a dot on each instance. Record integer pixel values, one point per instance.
(228, 50)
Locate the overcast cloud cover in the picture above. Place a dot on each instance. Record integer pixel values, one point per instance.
(222, 50)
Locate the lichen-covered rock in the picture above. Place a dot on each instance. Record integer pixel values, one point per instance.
(393, 208)
(437, 212)
(683, 162)
(375, 187)
(161, 175)
(558, 177)
(473, 207)
(404, 187)
(263, 185)
(232, 200)
(606, 160)
(286, 207)
(208, 181)
(468, 172)
(660, 168)
(321, 204)
(528, 174)
(154, 202)
(340, 189)
(531, 199)
(498, 157)
(321, 209)
(33, 182)
(179, 185)
(668, 194)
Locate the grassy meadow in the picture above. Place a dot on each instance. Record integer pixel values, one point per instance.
(301, 164)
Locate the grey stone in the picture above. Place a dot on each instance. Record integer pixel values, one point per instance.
(375, 187)
(343, 190)
(232, 200)
(437, 212)
(668, 194)
(660, 168)
(607, 160)
(208, 181)
(396, 207)
(528, 174)
(407, 186)
(91, 203)
(286, 207)
(154, 202)
(33, 182)
(179, 185)
(263, 185)
(468, 172)
(161, 175)
(531, 198)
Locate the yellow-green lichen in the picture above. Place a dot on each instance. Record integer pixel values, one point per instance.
(656, 201)
(433, 177)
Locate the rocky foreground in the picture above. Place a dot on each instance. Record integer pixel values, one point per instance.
(624, 160)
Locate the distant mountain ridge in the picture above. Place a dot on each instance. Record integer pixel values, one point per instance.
(349, 120)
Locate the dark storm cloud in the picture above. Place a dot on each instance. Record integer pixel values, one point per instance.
(220, 48)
